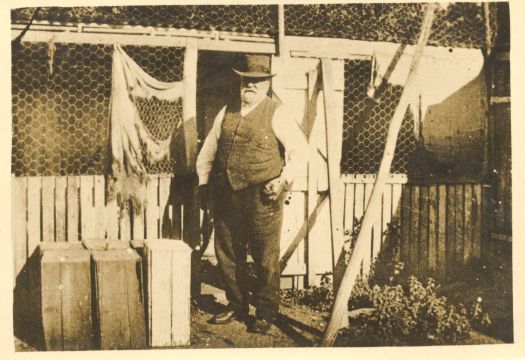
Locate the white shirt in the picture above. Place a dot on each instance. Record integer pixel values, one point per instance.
(286, 130)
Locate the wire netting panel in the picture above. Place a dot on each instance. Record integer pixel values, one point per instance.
(366, 121)
(259, 19)
(60, 109)
(61, 106)
(160, 117)
(458, 25)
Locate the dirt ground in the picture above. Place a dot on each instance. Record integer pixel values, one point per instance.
(295, 326)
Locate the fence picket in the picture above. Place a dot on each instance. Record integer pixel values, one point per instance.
(460, 224)
(99, 208)
(73, 208)
(367, 260)
(112, 219)
(48, 208)
(476, 221)
(414, 226)
(138, 224)
(19, 222)
(87, 211)
(442, 230)
(60, 208)
(386, 215)
(152, 208)
(423, 229)
(34, 187)
(405, 223)
(359, 201)
(432, 227)
(165, 212)
(451, 227)
(125, 225)
(467, 237)
(396, 198)
(349, 207)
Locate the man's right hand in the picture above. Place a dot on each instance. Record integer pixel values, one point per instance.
(203, 196)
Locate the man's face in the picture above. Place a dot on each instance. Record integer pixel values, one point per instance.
(253, 89)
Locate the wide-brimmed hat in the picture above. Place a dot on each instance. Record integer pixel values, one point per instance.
(255, 66)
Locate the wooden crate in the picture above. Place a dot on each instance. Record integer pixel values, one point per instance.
(168, 272)
(119, 299)
(66, 299)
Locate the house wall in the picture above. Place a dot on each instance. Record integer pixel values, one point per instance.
(454, 136)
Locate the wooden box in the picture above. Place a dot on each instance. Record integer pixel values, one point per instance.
(66, 299)
(168, 270)
(119, 299)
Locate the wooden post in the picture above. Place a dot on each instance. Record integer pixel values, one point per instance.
(334, 157)
(280, 49)
(340, 308)
(189, 109)
(311, 190)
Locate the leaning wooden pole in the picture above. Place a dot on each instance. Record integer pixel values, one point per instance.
(340, 308)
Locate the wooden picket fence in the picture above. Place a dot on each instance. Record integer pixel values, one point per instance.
(441, 226)
(73, 208)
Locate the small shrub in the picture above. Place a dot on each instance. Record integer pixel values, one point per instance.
(413, 314)
(318, 298)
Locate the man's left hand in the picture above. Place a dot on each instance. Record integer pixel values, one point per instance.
(274, 188)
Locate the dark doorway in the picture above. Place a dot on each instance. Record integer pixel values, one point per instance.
(217, 84)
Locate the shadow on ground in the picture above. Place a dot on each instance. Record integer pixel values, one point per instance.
(295, 326)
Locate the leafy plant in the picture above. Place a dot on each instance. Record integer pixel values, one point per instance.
(413, 313)
(318, 298)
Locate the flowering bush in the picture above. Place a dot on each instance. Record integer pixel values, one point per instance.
(413, 314)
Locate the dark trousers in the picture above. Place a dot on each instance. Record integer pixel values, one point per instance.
(246, 219)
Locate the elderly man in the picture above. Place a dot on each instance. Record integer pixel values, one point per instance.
(243, 157)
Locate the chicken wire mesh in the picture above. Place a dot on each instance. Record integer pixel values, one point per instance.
(61, 93)
(455, 25)
(259, 19)
(366, 121)
(61, 106)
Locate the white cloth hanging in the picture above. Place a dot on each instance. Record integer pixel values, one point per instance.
(129, 135)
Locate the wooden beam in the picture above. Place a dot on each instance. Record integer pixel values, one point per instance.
(280, 49)
(312, 92)
(340, 309)
(303, 231)
(189, 110)
(334, 159)
(218, 42)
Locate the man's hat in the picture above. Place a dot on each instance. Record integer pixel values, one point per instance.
(256, 66)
